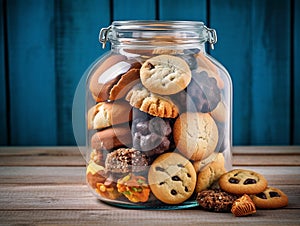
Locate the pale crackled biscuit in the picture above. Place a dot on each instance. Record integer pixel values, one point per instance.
(240, 181)
(153, 104)
(106, 114)
(195, 135)
(210, 173)
(165, 74)
(243, 206)
(271, 198)
(172, 178)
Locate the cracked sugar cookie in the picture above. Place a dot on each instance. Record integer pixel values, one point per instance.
(165, 74)
(195, 135)
(172, 178)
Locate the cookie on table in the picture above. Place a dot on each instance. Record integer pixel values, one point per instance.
(271, 198)
(165, 74)
(153, 104)
(172, 178)
(243, 206)
(195, 135)
(241, 181)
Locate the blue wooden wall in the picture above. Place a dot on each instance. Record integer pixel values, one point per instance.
(46, 45)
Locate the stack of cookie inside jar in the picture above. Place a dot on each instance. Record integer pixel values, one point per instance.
(158, 115)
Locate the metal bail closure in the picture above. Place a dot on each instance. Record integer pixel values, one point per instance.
(103, 36)
(212, 36)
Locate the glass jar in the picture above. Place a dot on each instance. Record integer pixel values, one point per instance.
(158, 113)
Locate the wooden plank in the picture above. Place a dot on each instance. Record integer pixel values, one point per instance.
(134, 10)
(78, 24)
(75, 197)
(31, 72)
(266, 160)
(3, 110)
(182, 10)
(259, 66)
(123, 217)
(296, 78)
(266, 150)
(42, 175)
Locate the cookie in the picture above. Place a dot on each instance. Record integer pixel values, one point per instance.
(165, 74)
(108, 189)
(98, 156)
(243, 206)
(153, 104)
(195, 135)
(133, 187)
(152, 135)
(220, 113)
(216, 200)
(210, 173)
(271, 198)
(113, 78)
(126, 160)
(95, 174)
(172, 178)
(240, 181)
(205, 64)
(112, 137)
(106, 114)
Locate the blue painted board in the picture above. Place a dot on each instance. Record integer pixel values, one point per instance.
(254, 46)
(183, 10)
(31, 72)
(77, 24)
(296, 75)
(3, 104)
(134, 10)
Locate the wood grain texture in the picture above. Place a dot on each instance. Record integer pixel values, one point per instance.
(3, 103)
(77, 24)
(251, 46)
(296, 72)
(134, 10)
(182, 10)
(31, 72)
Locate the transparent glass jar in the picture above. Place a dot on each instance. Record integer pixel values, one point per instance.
(158, 113)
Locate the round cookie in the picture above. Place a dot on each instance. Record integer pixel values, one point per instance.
(113, 78)
(240, 181)
(172, 178)
(271, 198)
(210, 173)
(165, 74)
(106, 114)
(111, 138)
(153, 104)
(126, 160)
(195, 135)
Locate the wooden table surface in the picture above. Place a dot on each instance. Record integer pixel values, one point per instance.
(46, 185)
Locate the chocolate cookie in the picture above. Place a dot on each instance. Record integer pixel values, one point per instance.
(240, 181)
(151, 134)
(172, 178)
(165, 74)
(125, 160)
(271, 198)
(216, 200)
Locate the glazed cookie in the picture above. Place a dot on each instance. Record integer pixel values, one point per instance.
(216, 200)
(106, 114)
(172, 178)
(210, 173)
(240, 181)
(126, 160)
(153, 104)
(165, 74)
(271, 198)
(195, 135)
(243, 206)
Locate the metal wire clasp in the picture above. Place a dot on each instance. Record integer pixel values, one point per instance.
(212, 36)
(103, 36)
